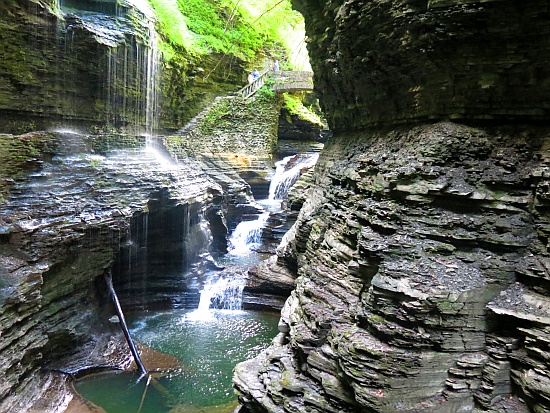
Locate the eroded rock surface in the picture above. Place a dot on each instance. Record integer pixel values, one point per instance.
(400, 60)
(421, 250)
(95, 66)
(405, 254)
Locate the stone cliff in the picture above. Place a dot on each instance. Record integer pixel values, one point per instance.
(420, 255)
(74, 207)
(153, 211)
(395, 61)
(96, 68)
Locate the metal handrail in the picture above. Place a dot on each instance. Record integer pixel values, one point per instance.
(253, 87)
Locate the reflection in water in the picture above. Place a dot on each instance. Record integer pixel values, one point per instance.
(207, 349)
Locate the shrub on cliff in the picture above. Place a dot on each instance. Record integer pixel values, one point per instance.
(228, 26)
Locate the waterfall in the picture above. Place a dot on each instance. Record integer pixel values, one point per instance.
(151, 95)
(287, 172)
(136, 65)
(247, 235)
(224, 293)
(131, 72)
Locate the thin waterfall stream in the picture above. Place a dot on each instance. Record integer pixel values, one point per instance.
(207, 341)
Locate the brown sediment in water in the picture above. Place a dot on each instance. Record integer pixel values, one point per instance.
(220, 408)
(81, 405)
(155, 362)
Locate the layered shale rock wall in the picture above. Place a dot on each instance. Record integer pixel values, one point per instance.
(68, 215)
(420, 255)
(396, 61)
(97, 67)
(399, 250)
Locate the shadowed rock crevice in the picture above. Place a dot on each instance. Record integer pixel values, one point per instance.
(402, 61)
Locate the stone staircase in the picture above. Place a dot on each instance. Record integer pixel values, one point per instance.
(193, 123)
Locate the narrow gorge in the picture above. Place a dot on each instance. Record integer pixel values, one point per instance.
(420, 254)
(409, 267)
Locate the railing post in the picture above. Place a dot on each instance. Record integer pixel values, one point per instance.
(251, 88)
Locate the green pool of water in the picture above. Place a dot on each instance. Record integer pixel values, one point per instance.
(208, 346)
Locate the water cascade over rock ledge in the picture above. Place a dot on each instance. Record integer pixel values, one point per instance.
(62, 227)
(96, 66)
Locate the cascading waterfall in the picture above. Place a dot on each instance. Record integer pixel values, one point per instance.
(151, 97)
(287, 172)
(225, 291)
(224, 294)
(144, 76)
(221, 292)
(127, 31)
(247, 236)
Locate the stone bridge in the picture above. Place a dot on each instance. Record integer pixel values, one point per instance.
(292, 81)
(283, 81)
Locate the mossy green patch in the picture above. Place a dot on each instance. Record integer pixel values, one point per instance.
(295, 106)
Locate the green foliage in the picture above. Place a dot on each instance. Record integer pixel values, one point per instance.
(265, 93)
(295, 106)
(224, 26)
(95, 162)
(273, 18)
(292, 103)
(171, 24)
(214, 117)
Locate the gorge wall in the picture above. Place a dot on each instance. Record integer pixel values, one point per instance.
(74, 207)
(420, 254)
(398, 61)
(96, 66)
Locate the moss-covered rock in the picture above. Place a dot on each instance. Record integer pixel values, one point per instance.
(99, 72)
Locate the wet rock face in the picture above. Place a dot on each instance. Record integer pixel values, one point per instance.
(93, 66)
(421, 250)
(399, 61)
(68, 215)
(55, 72)
(422, 283)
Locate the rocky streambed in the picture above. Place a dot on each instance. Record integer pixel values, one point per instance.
(71, 206)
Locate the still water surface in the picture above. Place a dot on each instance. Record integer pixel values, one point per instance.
(208, 346)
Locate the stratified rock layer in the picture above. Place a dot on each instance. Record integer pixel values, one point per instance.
(421, 250)
(69, 216)
(399, 250)
(400, 60)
